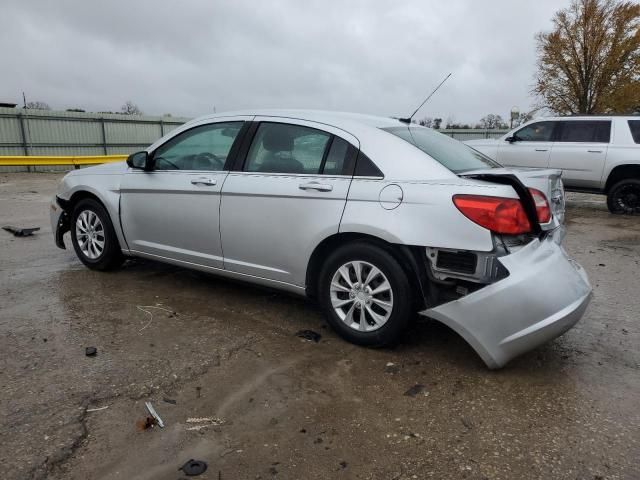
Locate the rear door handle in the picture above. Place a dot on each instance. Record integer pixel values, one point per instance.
(203, 181)
(320, 187)
(542, 149)
(594, 151)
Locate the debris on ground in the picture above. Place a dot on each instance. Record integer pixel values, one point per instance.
(415, 390)
(154, 414)
(309, 335)
(203, 422)
(194, 467)
(21, 232)
(169, 400)
(146, 423)
(468, 424)
(97, 409)
(90, 351)
(198, 391)
(145, 309)
(391, 368)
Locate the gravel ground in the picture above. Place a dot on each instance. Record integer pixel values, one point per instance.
(277, 406)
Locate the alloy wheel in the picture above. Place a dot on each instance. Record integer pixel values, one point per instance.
(361, 296)
(90, 234)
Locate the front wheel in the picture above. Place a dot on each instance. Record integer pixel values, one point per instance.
(365, 294)
(93, 236)
(624, 197)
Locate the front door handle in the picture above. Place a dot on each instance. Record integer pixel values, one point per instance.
(203, 181)
(594, 151)
(320, 187)
(542, 149)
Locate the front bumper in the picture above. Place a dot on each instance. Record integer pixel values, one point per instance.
(59, 222)
(545, 294)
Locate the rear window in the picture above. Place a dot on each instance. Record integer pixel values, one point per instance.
(585, 131)
(634, 126)
(456, 156)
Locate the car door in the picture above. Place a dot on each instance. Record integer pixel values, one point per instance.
(172, 211)
(287, 194)
(580, 150)
(528, 147)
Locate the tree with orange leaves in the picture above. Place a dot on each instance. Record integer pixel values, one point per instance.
(590, 61)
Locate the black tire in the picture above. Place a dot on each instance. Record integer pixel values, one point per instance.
(624, 197)
(401, 312)
(111, 256)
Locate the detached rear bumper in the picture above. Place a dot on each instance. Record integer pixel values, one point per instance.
(545, 294)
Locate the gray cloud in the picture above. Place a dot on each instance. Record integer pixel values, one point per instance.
(378, 56)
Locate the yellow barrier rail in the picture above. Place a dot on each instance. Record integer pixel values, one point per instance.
(45, 160)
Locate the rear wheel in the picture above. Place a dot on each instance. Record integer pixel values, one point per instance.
(624, 197)
(93, 236)
(365, 294)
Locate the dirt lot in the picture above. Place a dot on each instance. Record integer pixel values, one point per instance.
(283, 407)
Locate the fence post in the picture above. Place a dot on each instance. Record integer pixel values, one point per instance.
(23, 134)
(161, 123)
(486, 134)
(104, 136)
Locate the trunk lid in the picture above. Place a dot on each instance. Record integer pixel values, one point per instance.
(548, 181)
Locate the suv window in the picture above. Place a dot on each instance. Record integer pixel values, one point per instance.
(286, 148)
(201, 148)
(586, 131)
(536, 132)
(454, 155)
(634, 126)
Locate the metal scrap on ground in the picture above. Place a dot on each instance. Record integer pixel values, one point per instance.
(21, 232)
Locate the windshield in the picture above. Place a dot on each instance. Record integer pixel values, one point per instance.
(454, 155)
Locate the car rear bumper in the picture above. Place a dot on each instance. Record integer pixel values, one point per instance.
(545, 294)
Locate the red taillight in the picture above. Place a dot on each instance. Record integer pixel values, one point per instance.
(542, 205)
(498, 214)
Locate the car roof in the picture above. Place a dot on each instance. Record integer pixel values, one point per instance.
(342, 120)
(589, 117)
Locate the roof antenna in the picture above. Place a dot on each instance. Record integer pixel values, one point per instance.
(408, 120)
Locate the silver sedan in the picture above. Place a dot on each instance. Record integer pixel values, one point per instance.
(373, 218)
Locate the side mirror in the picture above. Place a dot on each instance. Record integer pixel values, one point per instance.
(139, 160)
(511, 139)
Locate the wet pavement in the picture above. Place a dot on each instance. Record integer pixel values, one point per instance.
(235, 386)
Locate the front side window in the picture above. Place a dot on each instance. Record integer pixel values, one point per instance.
(286, 148)
(202, 148)
(535, 132)
(634, 126)
(585, 131)
(454, 155)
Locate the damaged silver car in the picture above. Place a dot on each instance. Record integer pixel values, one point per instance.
(374, 218)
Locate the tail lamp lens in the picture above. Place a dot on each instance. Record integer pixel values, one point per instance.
(498, 214)
(542, 205)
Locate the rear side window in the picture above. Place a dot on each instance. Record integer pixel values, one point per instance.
(536, 132)
(634, 126)
(585, 131)
(454, 155)
(286, 148)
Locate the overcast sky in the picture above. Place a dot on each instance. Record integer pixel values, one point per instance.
(380, 57)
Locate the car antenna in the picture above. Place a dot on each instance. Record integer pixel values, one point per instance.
(408, 120)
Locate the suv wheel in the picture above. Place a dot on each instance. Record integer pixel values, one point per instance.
(624, 197)
(93, 236)
(365, 294)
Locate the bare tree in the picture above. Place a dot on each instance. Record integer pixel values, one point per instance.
(426, 122)
(130, 108)
(492, 121)
(590, 61)
(37, 106)
(436, 123)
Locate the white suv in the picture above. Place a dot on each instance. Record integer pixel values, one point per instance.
(596, 154)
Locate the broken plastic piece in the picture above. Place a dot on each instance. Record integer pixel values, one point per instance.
(309, 335)
(21, 232)
(154, 414)
(415, 390)
(194, 467)
(90, 351)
